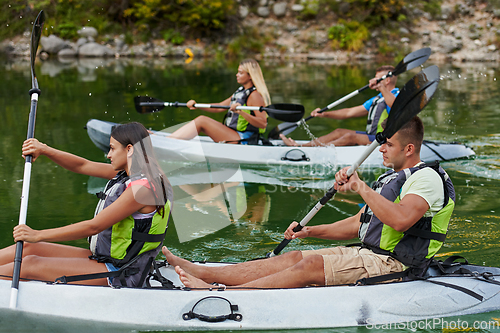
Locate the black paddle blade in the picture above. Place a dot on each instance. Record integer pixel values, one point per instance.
(283, 128)
(285, 111)
(412, 98)
(146, 104)
(35, 39)
(412, 60)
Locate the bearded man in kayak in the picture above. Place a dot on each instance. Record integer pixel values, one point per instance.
(376, 108)
(403, 224)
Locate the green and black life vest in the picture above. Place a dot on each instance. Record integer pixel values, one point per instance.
(233, 120)
(376, 115)
(417, 245)
(130, 237)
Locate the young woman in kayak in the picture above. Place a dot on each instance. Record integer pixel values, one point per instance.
(128, 226)
(238, 125)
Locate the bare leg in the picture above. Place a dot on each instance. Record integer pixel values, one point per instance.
(352, 139)
(42, 249)
(186, 132)
(190, 281)
(214, 129)
(324, 140)
(329, 138)
(306, 272)
(50, 268)
(238, 273)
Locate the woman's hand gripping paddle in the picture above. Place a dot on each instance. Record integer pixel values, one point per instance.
(281, 111)
(411, 61)
(413, 97)
(34, 92)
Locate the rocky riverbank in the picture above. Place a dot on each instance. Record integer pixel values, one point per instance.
(465, 31)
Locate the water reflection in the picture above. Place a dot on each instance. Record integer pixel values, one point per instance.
(202, 209)
(464, 108)
(264, 200)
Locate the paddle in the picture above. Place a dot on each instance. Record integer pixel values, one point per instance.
(411, 61)
(413, 97)
(280, 111)
(34, 92)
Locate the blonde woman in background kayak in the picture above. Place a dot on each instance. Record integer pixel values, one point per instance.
(238, 125)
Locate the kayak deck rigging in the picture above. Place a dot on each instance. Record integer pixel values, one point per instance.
(59, 306)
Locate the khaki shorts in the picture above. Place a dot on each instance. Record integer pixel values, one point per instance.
(345, 265)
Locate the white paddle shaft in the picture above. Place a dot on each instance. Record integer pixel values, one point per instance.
(211, 106)
(331, 192)
(354, 93)
(350, 171)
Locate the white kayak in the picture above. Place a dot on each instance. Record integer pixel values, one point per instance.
(61, 307)
(202, 149)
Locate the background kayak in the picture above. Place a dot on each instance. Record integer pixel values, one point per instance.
(203, 148)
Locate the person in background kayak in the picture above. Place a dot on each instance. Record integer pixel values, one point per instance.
(238, 125)
(404, 223)
(376, 108)
(129, 224)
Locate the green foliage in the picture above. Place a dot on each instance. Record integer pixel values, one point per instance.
(173, 36)
(401, 52)
(433, 7)
(129, 38)
(364, 16)
(205, 14)
(384, 48)
(311, 9)
(15, 18)
(175, 20)
(349, 36)
(145, 18)
(252, 41)
(376, 12)
(66, 30)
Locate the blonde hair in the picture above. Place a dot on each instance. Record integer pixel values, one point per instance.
(253, 69)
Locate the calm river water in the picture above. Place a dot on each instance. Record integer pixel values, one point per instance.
(465, 109)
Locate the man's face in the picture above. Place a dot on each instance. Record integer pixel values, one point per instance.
(378, 75)
(394, 153)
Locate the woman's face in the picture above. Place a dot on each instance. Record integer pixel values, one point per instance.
(118, 154)
(242, 77)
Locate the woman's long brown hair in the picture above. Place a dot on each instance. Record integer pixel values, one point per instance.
(144, 161)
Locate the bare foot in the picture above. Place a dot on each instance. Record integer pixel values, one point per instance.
(193, 269)
(190, 281)
(173, 259)
(288, 141)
